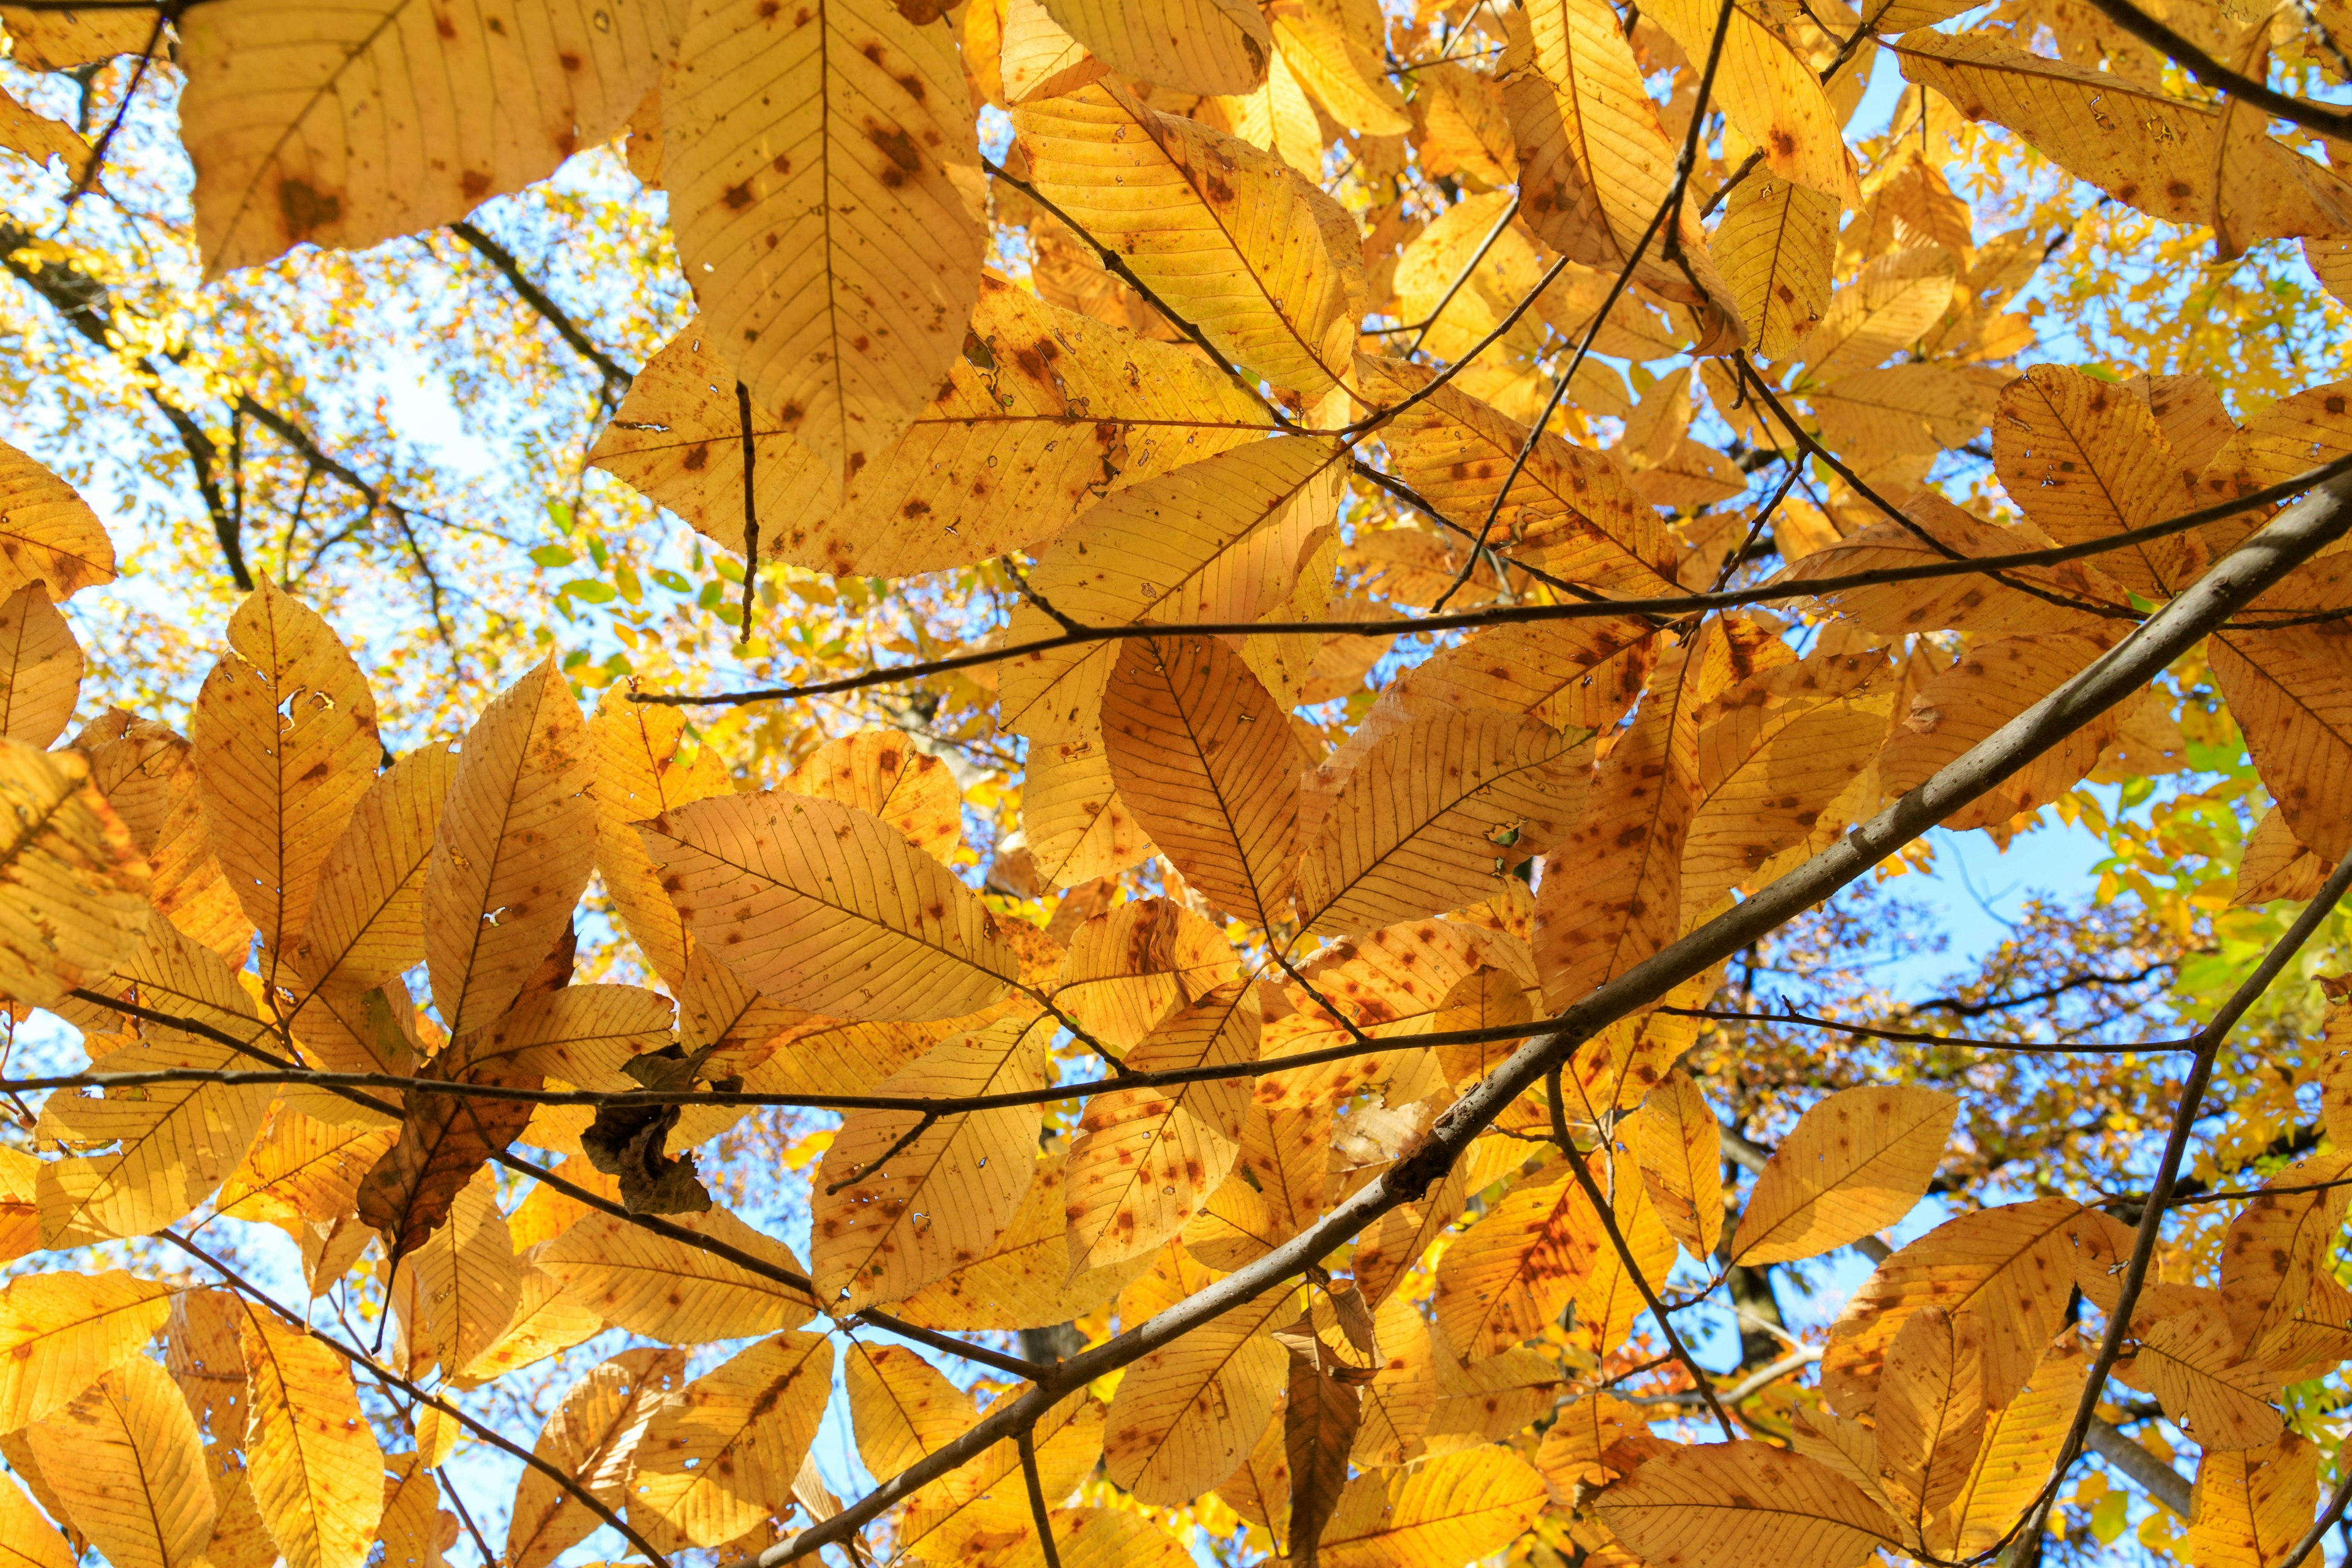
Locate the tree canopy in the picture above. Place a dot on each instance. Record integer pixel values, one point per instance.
(1086, 782)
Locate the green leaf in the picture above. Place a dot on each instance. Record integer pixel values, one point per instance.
(552, 555)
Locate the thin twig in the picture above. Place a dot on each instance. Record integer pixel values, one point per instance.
(1026, 1443)
(1515, 614)
(751, 505)
(2167, 1171)
(1625, 1258)
(616, 375)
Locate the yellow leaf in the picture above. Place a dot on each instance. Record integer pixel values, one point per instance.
(880, 773)
(1077, 828)
(2252, 1507)
(1218, 540)
(777, 125)
(1790, 741)
(515, 847)
(1570, 512)
(1016, 440)
(1276, 116)
(1205, 759)
(1611, 890)
(720, 1455)
(546, 1321)
(1931, 1415)
(819, 905)
(1509, 1275)
(76, 896)
(901, 1220)
(1127, 971)
(54, 40)
(2021, 1444)
(2014, 1265)
(1340, 49)
(58, 1333)
(2191, 1360)
(1454, 1510)
(47, 534)
(1437, 812)
(1022, 1279)
(1854, 1165)
(1594, 163)
(901, 1407)
(285, 745)
(1681, 1148)
(1234, 240)
(1733, 1504)
(2139, 144)
(1993, 682)
(592, 1437)
(40, 667)
(286, 110)
(974, 1509)
(1884, 310)
(640, 774)
(411, 1515)
(2287, 690)
(1768, 92)
(1187, 1414)
(466, 1279)
(2086, 460)
(367, 921)
(1776, 244)
(317, 1472)
(27, 1540)
(124, 1459)
(1193, 46)
(1146, 1160)
(1101, 1538)
(172, 1143)
(671, 1291)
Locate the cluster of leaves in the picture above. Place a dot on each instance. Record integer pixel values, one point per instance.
(1325, 1085)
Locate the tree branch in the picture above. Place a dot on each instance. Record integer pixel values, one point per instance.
(616, 375)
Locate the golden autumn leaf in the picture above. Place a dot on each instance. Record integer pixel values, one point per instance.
(317, 1472)
(1187, 1414)
(1435, 813)
(514, 850)
(720, 1453)
(1200, 753)
(671, 1291)
(1146, 1160)
(900, 1406)
(1776, 246)
(1594, 162)
(1452, 1509)
(286, 105)
(1233, 237)
(2252, 1506)
(1022, 1280)
(162, 1150)
(822, 906)
(594, 1436)
(1220, 540)
(1716, 1505)
(62, 1331)
(1855, 1163)
(774, 125)
(1202, 47)
(880, 773)
(40, 667)
(1039, 414)
(49, 535)
(902, 1198)
(124, 1458)
(2014, 1266)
